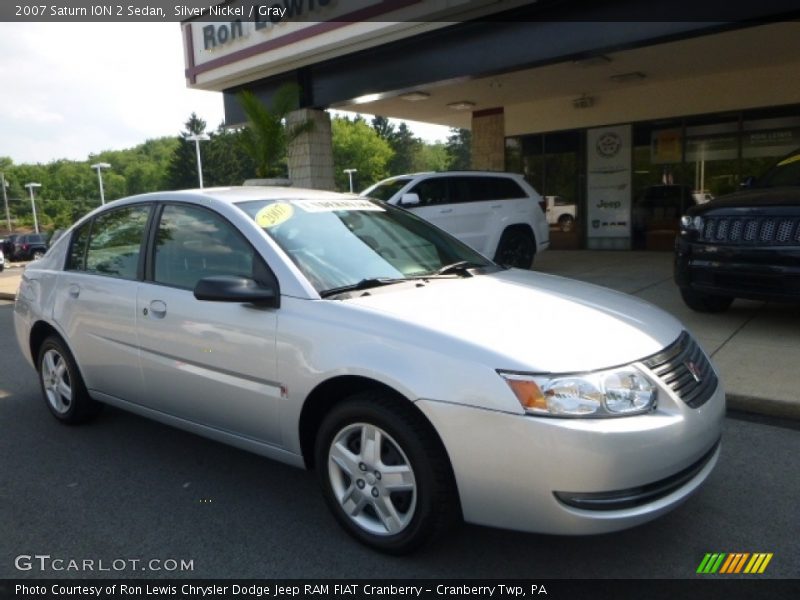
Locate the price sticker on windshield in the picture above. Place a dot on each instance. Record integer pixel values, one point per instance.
(274, 214)
(334, 205)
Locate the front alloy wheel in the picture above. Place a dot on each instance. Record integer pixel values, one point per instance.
(372, 479)
(384, 473)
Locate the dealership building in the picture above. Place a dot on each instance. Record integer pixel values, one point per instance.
(625, 112)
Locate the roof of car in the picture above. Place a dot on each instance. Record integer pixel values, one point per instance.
(235, 194)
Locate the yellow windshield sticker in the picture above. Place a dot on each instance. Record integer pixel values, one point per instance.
(789, 160)
(274, 214)
(339, 204)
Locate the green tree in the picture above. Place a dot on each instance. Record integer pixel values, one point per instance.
(182, 169)
(356, 145)
(228, 163)
(431, 157)
(459, 148)
(406, 146)
(267, 134)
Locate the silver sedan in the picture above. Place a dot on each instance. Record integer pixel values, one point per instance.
(422, 382)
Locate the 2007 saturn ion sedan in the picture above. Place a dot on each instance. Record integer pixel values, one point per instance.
(422, 382)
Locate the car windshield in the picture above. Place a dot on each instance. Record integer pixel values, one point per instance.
(786, 172)
(340, 243)
(387, 189)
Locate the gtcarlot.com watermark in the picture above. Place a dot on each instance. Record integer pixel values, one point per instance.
(46, 563)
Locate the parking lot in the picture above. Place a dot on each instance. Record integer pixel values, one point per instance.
(128, 488)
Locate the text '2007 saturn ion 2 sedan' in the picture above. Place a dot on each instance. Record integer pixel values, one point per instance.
(422, 382)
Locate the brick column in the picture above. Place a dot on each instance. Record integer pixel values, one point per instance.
(488, 139)
(310, 155)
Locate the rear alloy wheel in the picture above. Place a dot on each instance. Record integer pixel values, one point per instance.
(708, 303)
(37, 254)
(566, 223)
(517, 248)
(62, 385)
(383, 475)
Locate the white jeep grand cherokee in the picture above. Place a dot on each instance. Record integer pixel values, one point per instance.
(498, 214)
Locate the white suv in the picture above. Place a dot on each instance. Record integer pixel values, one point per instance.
(498, 214)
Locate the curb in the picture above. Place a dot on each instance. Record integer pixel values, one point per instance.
(5, 296)
(768, 407)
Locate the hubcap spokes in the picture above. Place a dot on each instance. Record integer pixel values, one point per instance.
(372, 479)
(56, 382)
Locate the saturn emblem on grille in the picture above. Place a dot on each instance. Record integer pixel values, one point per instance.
(693, 369)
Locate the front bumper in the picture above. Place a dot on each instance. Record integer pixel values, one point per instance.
(756, 273)
(518, 472)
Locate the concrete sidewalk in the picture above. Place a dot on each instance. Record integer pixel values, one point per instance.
(755, 346)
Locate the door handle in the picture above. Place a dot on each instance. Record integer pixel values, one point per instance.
(74, 290)
(158, 309)
(445, 211)
(497, 206)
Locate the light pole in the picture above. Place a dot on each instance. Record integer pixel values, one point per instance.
(350, 175)
(100, 167)
(197, 138)
(4, 183)
(30, 187)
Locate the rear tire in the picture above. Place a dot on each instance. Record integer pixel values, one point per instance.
(516, 248)
(707, 303)
(62, 385)
(37, 254)
(384, 473)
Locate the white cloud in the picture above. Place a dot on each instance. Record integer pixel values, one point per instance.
(69, 90)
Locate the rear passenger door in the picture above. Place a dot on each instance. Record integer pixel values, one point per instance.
(95, 303)
(211, 363)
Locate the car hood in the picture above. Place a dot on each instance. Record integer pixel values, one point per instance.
(752, 198)
(531, 321)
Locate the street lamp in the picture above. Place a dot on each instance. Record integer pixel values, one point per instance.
(100, 167)
(4, 184)
(197, 138)
(30, 187)
(350, 175)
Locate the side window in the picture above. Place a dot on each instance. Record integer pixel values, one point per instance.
(76, 261)
(431, 191)
(193, 243)
(115, 242)
(504, 188)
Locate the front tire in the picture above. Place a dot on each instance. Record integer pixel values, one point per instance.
(384, 474)
(62, 385)
(707, 303)
(516, 248)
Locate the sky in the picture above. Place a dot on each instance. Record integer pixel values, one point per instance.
(70, 90)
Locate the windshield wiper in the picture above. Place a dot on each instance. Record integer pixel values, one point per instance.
(461, 267)
(364, 284)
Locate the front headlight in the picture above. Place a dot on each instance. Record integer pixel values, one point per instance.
(613, 393)
(691, 223)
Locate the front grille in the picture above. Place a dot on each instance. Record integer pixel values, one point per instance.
(684, 368)
(758, 231)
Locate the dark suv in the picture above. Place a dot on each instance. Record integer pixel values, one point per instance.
(31, 246)
(744, 245)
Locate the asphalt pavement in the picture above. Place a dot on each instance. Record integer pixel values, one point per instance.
(126, 488)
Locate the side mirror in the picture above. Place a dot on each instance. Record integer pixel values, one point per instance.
(409, 200)
(748, 182)
(227, 288)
